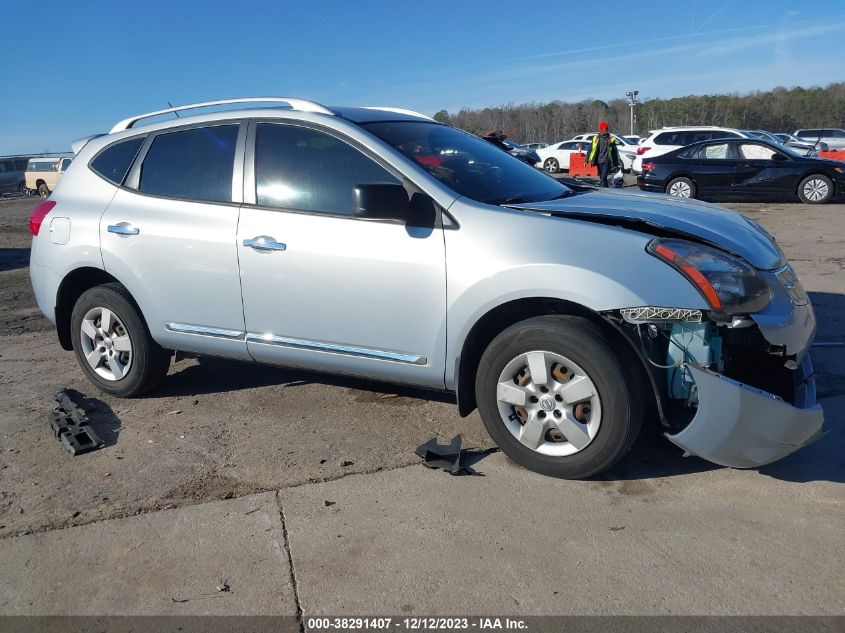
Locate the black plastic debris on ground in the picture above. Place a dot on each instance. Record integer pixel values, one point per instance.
(71, 426)
(451, 457)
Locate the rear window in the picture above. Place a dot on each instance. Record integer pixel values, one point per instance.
(195, 164)
(51, 165)
(114, 161)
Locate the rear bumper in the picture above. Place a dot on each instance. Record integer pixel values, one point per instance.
(45, 287)
(649, 185)
(740, 426)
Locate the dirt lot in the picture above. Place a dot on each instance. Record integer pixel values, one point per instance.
(220, 429)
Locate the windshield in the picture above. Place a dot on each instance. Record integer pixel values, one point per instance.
(468, 165)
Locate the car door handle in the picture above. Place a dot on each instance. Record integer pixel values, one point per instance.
(123, 228)
(265, 243)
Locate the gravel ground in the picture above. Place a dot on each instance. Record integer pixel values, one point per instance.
(220, 429)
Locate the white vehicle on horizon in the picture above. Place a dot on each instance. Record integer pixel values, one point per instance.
(667, 139)
(627, 152)
(555, 157)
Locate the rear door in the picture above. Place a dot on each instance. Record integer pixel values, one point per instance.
(169, 236)
(323, 289)
(715, 169)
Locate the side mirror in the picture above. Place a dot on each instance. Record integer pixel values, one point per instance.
(779, 158)
(381, 201)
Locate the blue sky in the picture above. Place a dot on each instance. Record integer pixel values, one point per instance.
(84, 65)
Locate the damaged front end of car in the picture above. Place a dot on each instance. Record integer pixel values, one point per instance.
(734, 384)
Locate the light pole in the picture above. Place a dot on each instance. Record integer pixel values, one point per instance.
(632, 102)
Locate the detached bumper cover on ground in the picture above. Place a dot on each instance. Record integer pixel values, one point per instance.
(743, 427)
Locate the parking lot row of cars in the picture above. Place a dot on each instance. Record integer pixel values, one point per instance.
(717, 162)
(25, 174)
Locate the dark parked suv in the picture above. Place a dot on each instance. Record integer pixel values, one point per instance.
(12, 171)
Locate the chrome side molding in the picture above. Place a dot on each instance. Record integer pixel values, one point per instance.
(317, 346)
(201, 330)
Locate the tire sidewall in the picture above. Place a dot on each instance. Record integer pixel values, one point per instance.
(129, 316)
(548, 165)
(815, 177)
(580, 341)
(692, 188)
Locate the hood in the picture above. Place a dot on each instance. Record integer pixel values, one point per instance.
(693, 219)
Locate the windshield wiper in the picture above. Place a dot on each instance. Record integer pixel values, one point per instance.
(514, 200)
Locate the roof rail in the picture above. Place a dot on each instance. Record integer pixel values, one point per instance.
(302, 105)
(399, 111)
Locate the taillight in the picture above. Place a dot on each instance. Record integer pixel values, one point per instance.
(642, 150)
(38, 214)
(648, 167)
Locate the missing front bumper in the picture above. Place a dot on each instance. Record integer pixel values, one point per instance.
(740, 426)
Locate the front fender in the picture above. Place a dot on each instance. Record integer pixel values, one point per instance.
(596, 266)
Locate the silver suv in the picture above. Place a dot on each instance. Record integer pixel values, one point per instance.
(377, 242)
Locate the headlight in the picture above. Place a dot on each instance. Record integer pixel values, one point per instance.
(729, 285)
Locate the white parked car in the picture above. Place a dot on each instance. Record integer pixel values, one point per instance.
(667, 139)
(555, 157)
(627, 148)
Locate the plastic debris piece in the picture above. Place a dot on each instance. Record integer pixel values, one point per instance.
(71, 426)
(451, 457)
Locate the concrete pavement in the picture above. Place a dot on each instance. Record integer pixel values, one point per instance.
(661, 535)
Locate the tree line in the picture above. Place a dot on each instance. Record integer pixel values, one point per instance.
(777, 110)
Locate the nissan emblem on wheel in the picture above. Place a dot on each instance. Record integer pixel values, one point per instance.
(382, 244)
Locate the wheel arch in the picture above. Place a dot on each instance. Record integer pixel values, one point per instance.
(680, 174)
(809, 174)
(501, 317)
(70, 289)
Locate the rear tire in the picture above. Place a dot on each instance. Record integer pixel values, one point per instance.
(815, 189)
(22, 189)
(581, 415)
(681, 188)
(551, 165)
(43, 190)
(113, 345)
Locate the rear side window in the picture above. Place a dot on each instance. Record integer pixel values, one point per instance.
(308, 170)
(668, 138)
(20, 165)
(719, 151)
(195, 164)
(114, 161)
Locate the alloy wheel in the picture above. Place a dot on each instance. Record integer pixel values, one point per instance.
(549, 403)
(106, 344)
(815, 189)
(680, 189)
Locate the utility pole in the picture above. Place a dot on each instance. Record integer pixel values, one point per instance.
(632, 102)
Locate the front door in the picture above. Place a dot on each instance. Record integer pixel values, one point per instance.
(760, 174)
(323, 289)
(169, 236)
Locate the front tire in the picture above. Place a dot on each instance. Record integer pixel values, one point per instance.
(557, 399)
(681, 188)
(551, 165)
(815, 189)
(113, 345)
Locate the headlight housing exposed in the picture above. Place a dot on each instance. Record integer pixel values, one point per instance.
(730, 285)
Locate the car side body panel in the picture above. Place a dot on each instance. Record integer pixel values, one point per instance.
(598, 267)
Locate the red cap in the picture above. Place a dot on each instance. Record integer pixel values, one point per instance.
(602, 126)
